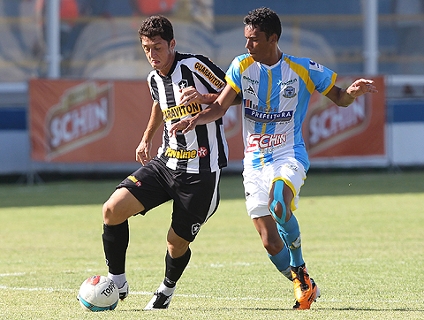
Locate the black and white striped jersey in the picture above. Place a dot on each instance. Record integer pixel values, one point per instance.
(203, 149)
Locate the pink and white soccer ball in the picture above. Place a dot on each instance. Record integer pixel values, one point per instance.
(98, 293)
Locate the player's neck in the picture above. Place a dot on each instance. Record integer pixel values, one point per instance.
(274, 58)
(166, 68)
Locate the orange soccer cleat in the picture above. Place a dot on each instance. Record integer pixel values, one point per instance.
(305, 289)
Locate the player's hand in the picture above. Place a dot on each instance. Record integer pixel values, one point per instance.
(360, 87)
(184, 126)
(142, 153)
(191, 95)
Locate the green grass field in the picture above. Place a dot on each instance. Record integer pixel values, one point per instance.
(362, 238)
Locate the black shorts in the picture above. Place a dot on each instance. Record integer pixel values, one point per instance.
(195, 196)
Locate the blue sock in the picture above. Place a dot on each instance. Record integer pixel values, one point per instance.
(290, 233)
(282, 262)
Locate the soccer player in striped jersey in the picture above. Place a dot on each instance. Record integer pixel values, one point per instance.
(186, 168)
(275, 89)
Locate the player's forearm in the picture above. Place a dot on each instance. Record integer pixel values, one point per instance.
(155, 121)
(212, 113)
(345, 98)
(210, 97)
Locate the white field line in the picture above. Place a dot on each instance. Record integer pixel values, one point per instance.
(16, 274)
(194, 296)
(142, 293)
(199, 296)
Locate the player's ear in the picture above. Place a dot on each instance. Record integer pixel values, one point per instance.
(273, 38)
(172, 44)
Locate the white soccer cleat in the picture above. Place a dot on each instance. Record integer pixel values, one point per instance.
(124, 291)
(159, 301)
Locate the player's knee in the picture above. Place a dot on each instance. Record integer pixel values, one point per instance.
(177, 249)
(271, 241)
(272, 248)
(177, 245)
(276, 204)
(276, 208)
(108, 213)
(111, 213)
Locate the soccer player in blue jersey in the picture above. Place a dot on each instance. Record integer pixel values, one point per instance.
(275, 89)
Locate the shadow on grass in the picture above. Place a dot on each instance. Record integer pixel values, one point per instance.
(290, 309)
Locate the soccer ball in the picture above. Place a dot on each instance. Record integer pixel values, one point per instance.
(98, 293)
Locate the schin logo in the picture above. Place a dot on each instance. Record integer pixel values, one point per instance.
(83, 115)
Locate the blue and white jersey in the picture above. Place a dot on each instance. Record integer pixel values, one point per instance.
(275, 101)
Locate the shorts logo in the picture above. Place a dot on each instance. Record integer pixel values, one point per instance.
(135, 180)
(202, 152)
(195, 228)
(291, 166)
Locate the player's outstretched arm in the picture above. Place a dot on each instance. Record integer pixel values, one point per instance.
(344, 97)
(215, 111)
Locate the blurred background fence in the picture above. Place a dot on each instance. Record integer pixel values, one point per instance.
(98, 39)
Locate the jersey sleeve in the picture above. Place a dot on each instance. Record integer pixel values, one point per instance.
(210, 73)
(233, 75)
(323, 78)
(153, 93)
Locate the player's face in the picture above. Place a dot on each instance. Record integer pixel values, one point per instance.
(260, 48)
(159, 53)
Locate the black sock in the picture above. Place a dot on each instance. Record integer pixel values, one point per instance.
(175, 268)
(115, 244)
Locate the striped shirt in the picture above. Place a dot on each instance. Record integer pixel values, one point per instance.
(205, 148)
(275, 101)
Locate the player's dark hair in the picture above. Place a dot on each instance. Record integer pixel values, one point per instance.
(265, 19)
(156, 26)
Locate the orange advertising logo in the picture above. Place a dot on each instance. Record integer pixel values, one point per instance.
(83, 115)
(329, 124)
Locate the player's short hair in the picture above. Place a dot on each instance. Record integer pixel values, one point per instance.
(265, 19)
(156, 26)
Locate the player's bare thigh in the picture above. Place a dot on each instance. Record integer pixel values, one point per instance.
(120, 206)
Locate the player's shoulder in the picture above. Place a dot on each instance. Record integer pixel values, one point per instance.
(244, 60)
(151, 75)
(243, 57)
(305, 62)
(188, 58)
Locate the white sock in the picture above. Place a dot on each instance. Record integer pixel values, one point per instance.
(166, 290)
(119, 279)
